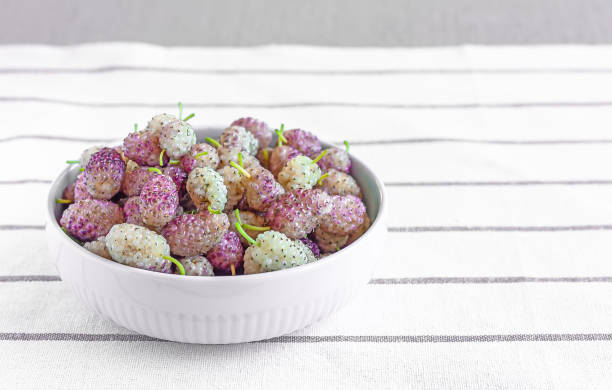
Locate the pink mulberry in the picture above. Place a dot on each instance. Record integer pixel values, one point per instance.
(89, 219)
(104, 174)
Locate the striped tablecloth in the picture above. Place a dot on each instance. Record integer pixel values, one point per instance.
(498, 163)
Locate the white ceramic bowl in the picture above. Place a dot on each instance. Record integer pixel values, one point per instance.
(223, 309)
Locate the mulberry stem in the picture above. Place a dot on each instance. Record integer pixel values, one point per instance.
(161, 157)
(189, 117)
(240, 160)
(320, 156)
(73, 162)
(153, 169)
(180, 105)
(240, 169)
(233, 268)
(63, 201)
(200, 155)
(256, 228)
(322, 178)
(135, 127)
(212, 141)
(237, 214)
(347, 146)
(213, 211)
(246, 236)
(174, 162)
(177, 263)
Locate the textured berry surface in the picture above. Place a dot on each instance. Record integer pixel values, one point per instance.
(314, 248)
(158, 201)
(197, 266)
(98, 247)
(195, 234)
(340, 183)
(233, 181)
(299, 173)
(138, 247)
(329, 242)
(304, 141)
(211, 159)
(360, 230)
(80, 188)
(135, 178)
(291, 215)
(143, 148)
(226, 252)
(177, 137)
(236, 137)
(275, 251)
(89, 219)
(263, 156)
(131, 210)
(347, 213)
(206, 188)
(262, 189)
(280, 156)
(87, 153)
(158, 121)
(260, 130)
(337, 159)
(104, 173)
(248, 218)
(178, 176)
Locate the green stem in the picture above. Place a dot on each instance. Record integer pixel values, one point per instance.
(323, 178)
(82, 170)
(153, 169)
(240, 159)
(240, 169)
(214, 142)
(174, 162)
(256, 228)
(213, 211)
(243, 233)
(347, 146)
(177, 263)
(73, 162)
(320, 156)
(180, 105)
(161, 158)
(237, 213)
(265, 153)
(63, 201)
(189, 117)
(200, 155)
(135, 127)
(279, 132)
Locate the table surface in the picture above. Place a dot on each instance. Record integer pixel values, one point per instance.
(496, 270)
(320, 22)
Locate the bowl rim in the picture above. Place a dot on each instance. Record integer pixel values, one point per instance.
(53, 223)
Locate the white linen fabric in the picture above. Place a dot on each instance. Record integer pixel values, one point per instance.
(497, 270)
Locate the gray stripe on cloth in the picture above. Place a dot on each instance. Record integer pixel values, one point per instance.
(480, 141)
(486, 338)
(21, 227)
(497, 183)
(415, 106)
(29, 278)
(25, 181)
(493, 280)
(425, 229)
